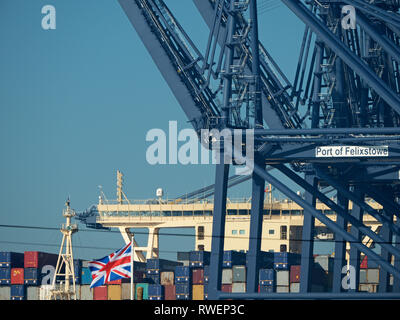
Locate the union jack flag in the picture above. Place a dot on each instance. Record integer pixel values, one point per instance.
(113, 267)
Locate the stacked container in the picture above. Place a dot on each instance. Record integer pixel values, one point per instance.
(283, 260)
(9, 260)
(18, 292)
(233, 258)
(142, 289)
(100, 293)
(114, 292)
(156, 292)
(199, 259)
(184, 258)
(170, 292)
(295, 278)
(167, 278)
(17, 275)
(183, 283)
(282, 281)
(239, 279)
(266, 280)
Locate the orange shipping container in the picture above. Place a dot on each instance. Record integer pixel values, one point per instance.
(114, 292)
(198, 292)
(17, 276)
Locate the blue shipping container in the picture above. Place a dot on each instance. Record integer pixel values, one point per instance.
(182, 274)
(233, 258)
(86, 276)
(155, 266)
(154, 278)
(266, 289)
(183, 291)
(156, 292)
(199, 258)
(267, 277)
(32, 277)
(18, 292)
(266, 260)
(10, 259)
(5, 276)
(283, 260)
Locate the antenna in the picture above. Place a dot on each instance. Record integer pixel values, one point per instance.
(66, 260)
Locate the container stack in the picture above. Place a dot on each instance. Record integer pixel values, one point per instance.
(183, 283)
(12, 276)
(267, 280)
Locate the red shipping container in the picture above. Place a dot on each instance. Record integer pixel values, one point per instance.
(37, 259)
(364, 263)
(100, 293)
(198, 276)
(226, 288)
(295, 274)
(169, 292)
(17, 276)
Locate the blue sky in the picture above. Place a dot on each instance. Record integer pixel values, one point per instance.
(75, 106)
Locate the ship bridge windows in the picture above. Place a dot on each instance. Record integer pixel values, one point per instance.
(271, 231)
(243, 212)
(232, 212)
(199, 213)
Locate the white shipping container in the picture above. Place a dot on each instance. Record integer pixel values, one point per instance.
(227, 276)
(32, 293)
(373, 276)
(295, 287)
(282, 289)
(239, 287)
(5, 292)
(372, 288)
(126, 291)
(85, 292)
(282, 278)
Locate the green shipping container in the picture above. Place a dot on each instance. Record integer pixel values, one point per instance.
(145, 287)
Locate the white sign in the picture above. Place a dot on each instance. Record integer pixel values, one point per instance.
(351, 151)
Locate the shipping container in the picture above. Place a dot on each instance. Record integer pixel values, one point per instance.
(32, 277)
(17, 276)
(199, 259)
(18, 292)
(295, 287)
(325, 262)
(295, 274)
(170, 292)
(233, 258)
(167, 278)
(239, 287)
(37, 259)
(227, 276)
(114, 292)
(283, 260)
(371, 288)
(155, 266)
(5, 276)
(115, 282)
(266, 277)
(238, 274)
(198, 276)
(10, 259)
(183, 291)
(153, 278)
(265, 289)
(282, 278)
(86, 276)
(156, 292)
(144, 287)
(126, 291)
(86, 292)
(372, 276)
(226, 287)
(182, 274)
(198, 292)
(282, 289)
(100, 293)
(32, 293)
(364, 262)
(5, 293)
(363, 276)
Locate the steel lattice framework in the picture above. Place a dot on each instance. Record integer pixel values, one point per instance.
(345, 93)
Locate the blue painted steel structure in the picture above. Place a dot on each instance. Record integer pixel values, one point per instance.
(346, 93)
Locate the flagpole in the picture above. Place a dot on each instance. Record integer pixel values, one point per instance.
(132, 267)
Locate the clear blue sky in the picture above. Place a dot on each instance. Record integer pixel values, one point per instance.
(75, 106)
